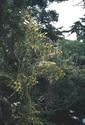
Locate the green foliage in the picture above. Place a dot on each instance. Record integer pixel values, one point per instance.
(45, 18)
(74, 51)
(36, 78)
(79, 29)
(34, 53)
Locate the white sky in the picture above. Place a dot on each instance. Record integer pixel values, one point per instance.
(69, 12)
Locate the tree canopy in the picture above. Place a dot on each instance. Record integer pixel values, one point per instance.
(41, 76)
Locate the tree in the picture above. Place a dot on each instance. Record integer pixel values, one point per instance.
(28, 58)
(11, 25)
(25, 53)
(45, 18)
(74, 51)
(79, 29)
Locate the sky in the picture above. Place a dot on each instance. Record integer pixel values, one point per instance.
(69, 12)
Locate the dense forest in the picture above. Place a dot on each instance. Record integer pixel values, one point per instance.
(42, 75)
